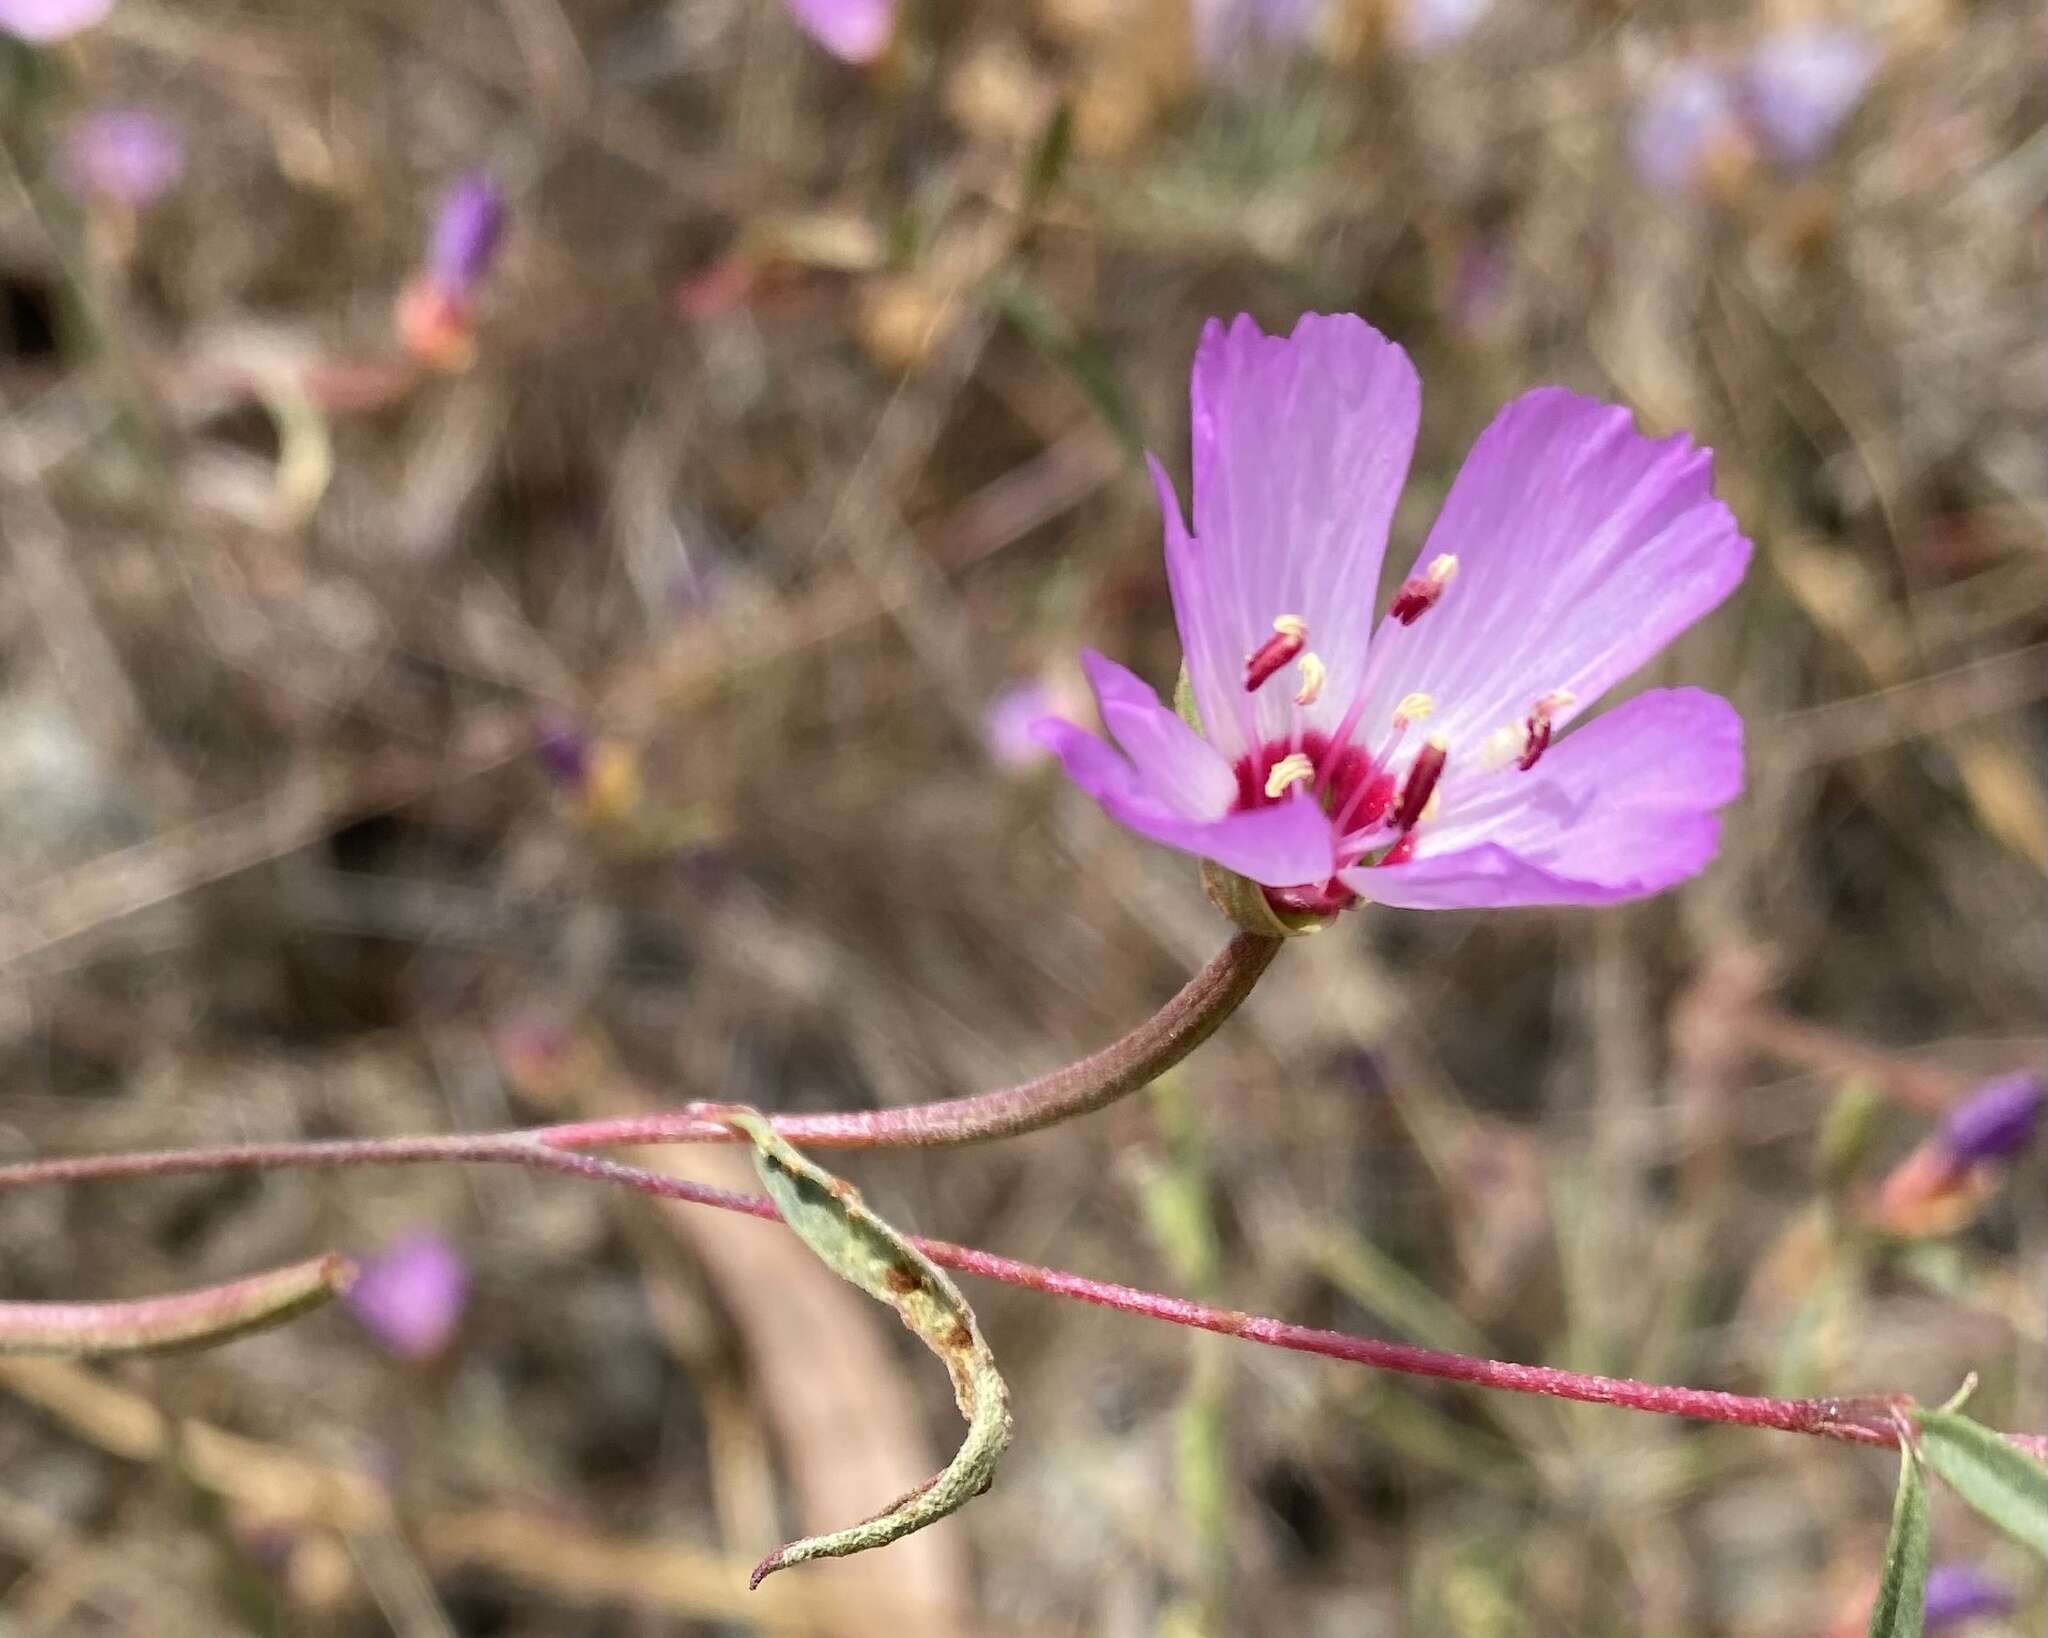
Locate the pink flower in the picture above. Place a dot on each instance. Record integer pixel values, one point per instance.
(1802, 84)
(857, 31)
(1425, 763)
(1688, 119)
(126, 155)
(410, 1297)
(50, 19)
(1226, 30)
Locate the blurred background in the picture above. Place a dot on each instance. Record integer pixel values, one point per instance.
(527, 531)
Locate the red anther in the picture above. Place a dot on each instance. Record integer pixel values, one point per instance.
(1275, 652)
(1417, 596)
(1421, 784)
(1538, 741)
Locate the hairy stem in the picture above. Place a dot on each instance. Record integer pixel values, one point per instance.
(1867, 1420)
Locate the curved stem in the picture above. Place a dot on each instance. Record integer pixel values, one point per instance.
(1866, 1420)
(1081, 1088)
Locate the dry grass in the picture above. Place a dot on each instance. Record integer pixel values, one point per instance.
(277, 622)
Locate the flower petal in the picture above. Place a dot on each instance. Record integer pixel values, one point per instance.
(1301, 444)
(1173, 761)
(1621, 809)
(1583, 548)
(1280, 846)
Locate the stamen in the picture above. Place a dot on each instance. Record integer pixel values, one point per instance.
(1313, 675)
(1537, 729)
(1290, 637)
(1289, 770)
(1419, 593)
(1502, 746)
(1414, 708)
(1421, 783)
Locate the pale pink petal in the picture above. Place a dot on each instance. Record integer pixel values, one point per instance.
(856, 30)
(1583, 549)
(1622, 808)
(1300, 447)
(1280, 846)
(45, 20)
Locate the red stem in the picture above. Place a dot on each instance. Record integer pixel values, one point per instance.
(1864, 1420)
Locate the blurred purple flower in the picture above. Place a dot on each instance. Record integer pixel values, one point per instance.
(1995, 1122)
(1578, 548)
(127, 155)
(468, 229)
(1226, 29)
(1426, 26)
(50, 19)
(1960, 1592)
(411, 1295)
(1685, 117)
(1800, 85)
(857, 31)
(563, 750)
(1007, 724)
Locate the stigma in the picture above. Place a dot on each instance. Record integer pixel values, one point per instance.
(1290, 637)
(1313, 675)
(1420, 593)
(1296, 769)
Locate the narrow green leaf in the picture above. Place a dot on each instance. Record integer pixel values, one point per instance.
(1049, 156)
(1902, 1589)
(1988, 1471)
(828, 1216)
(1048, 329)
(188, 1319)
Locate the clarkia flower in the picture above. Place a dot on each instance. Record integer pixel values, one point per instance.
(1688, 126)
(44, 20)
(436, 313)
(856, 31)
(1424, 763)
(1995, 1122)
(1961, 1592)
(128, 156)
(1228, 29)
(1800, 86)
(1008, 726)
(410, 1296)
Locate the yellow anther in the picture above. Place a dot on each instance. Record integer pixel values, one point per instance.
(1414, 708)
(1289, 770)
(1431, 808)
(1292, 625)
(1502, 746)
(1558, 699)
(1313, 675)
(1443, 569)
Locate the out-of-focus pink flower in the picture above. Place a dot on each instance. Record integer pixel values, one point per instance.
(410, 1296)
(857, 31)
(436, 314)
(1995, 1122)
(1957, 1593)
(1009, 725)
(1414, 764)
(1687, 125)
(1800, 85)
(127, 155)
(1227, 29)
(1426, 26)
(50, 19)
(1944, 1183)
(468, 229)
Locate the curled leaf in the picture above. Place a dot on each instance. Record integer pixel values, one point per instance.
(1899, 1611)
(1991, 1473)
(185, 1319)
(828, 1216)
